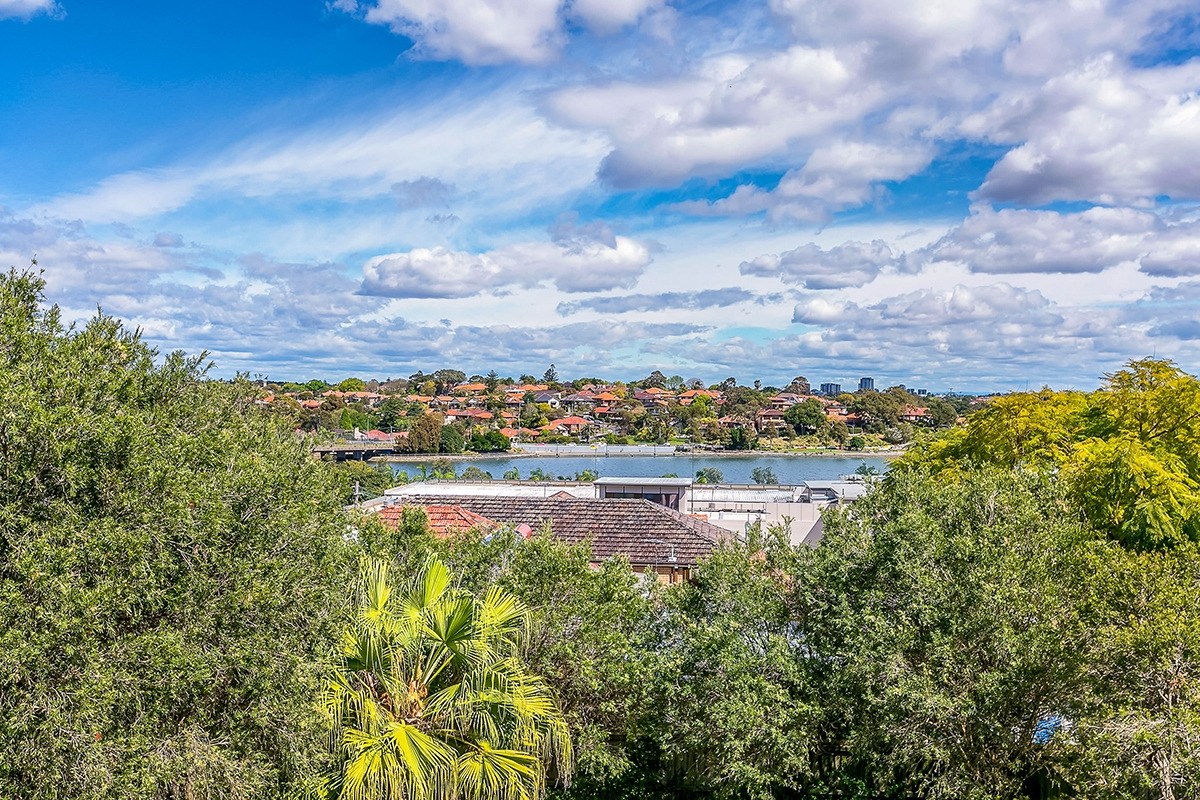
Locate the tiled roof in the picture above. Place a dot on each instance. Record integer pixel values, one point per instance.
(443, 519)
(625, 527)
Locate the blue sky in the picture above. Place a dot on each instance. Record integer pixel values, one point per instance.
(959, 194)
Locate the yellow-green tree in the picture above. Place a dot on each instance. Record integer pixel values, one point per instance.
(1129, 452)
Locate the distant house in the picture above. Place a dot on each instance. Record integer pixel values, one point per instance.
(579, 401)
(787, 400)
(911, 414)
(769, 421)
(568, 425)
(656, 540)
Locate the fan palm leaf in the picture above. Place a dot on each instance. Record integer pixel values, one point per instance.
(430, 701)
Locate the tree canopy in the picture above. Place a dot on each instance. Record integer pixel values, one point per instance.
(170, 570)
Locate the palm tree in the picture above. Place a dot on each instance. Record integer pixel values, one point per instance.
(431, 701)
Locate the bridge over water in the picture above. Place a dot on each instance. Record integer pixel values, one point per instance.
(353, 451)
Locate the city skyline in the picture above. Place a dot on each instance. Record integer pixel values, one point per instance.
(977, 196)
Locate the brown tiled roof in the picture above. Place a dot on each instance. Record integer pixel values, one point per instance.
(613, 526)
(444, 519)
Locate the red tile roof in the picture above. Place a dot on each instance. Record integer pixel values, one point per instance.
(613, 527)
(443, 519)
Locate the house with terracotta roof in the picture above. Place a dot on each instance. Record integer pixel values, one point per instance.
(568, 425)
(656, 540)
(769, 421)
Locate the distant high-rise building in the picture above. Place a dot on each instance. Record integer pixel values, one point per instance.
(831, 389)
(866, 383)
(922, 392)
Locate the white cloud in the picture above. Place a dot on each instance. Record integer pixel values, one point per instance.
(836, 177)
(1021, 240)
(25, 9)
(610, 16)
(1102, 133)
(495, 31)
(732, 110)
(499, 154)
(474, 31)
(581, 264)
(1012, 241)
(848, 264)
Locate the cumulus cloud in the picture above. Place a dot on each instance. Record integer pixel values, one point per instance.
(77, 261)
(495, 31)
(891, 84)
(731, 110)
(847, 264)
(954, 334)
(835, 177)
(1102, 133)
(579, 263)
(24, 9)
(1009, 241)
(623, 304)
(610, 16)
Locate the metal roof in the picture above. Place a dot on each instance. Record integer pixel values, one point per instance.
(616, 481)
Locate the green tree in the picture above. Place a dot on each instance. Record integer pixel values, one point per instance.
(474, 473)
(351, 385)
(425, 435)
(655, 380)
(450, 440)
(734, 668)
(763, 475)
(961, 621)
(391, 412)
(550, 376)
(806, 417)
(709, 475)
(170, 563)
(1130, 452)
(741, 439)
(839, 433)
(446, 379)
(941, 414)
(800, 385)
(431, 697)
(877, 410)
(363, 481)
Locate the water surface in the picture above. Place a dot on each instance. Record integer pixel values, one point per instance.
(790, 469)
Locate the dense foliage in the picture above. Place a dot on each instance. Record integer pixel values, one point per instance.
(170, 563)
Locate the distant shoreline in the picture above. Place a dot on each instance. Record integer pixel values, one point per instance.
(423, 457)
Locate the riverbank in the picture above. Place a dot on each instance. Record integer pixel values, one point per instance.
(687, 454)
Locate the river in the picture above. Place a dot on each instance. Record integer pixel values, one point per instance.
(788, 469)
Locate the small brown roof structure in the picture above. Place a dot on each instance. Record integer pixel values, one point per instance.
(642, 531)
(444, 519)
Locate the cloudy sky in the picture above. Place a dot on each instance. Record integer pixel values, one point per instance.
(959, 194)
